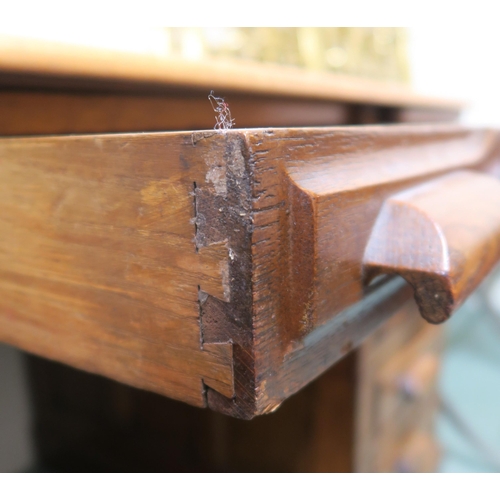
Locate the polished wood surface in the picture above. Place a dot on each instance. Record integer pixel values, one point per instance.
(222, 268)
(443, 237)
(318, 195)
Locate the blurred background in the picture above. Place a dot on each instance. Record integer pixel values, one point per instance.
(442, 62)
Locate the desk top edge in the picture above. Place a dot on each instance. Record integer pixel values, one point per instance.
(41, 58)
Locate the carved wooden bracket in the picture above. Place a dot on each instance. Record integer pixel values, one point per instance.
(443, 237)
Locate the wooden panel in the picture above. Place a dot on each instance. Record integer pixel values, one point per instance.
(98, 264)
(29, 113)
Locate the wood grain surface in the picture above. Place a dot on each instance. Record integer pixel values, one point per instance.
(98, 263)
(317, 196)
(443, 237)
(220, 268)
(29, 112)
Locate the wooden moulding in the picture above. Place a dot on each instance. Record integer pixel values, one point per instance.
(222, 268)
(443, 237)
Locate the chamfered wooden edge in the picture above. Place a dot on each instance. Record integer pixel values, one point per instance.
(443, 237)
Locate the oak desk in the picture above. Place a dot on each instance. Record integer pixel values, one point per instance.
(229, 269)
